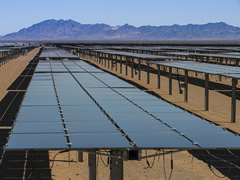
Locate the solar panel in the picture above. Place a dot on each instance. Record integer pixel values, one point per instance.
(216, 69)
(88, 111)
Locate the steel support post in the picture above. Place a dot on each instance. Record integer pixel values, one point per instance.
(148, 74)
(126, 62)
(132, 68)
(102, 58)
(233, 113)
(108, 60)
(116, 68)
(158, 79)
(170, 80)
(139, 69)
(116, 165)
(80, 156)
(186, 86)
(120, 64)
(111, 57)
(206, 108)
(105, 61)
(92, 165)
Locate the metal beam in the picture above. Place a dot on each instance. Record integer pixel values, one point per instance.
(158, 79)
(105, 63)
(126, 62)
(206, 107)
(108, 59)
(233, 113)
(80, 156)
(132, 67)
(92, 165)
(139, 69)
(170, 80)
(111, 57)
(116, 62)
(120, 64)
(186, 86)
(148, 74)
(116, 166)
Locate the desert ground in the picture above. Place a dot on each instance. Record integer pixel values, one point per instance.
(185, 166)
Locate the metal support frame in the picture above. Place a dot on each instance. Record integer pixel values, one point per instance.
(159, 77)
(120, 64)
(105, 61)
(116, 165)
(132, 68)
(170, 80)
(186, 86)
(92, 165)
(108, 61)
(233, 108)
(111, 57)
(139, 69)
(148, 74)
(102, 58)
(206, 107)
(116, 63)
(126, 62)
(80, 156)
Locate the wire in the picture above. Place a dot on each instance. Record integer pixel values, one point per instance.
(210, 167)
(32, 155)
(148, 164)
(164, 169)
(56, 156)
(106, 165)
(171, 166)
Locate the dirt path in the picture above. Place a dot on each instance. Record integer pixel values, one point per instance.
(12, 69)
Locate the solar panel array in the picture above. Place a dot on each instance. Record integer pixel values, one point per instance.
(54, 52)
(135, 55)
(228, 71)
(73, 105)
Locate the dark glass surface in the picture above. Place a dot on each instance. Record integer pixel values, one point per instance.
(165, 109)
(99, 140)
(119, 109)
(143, 126)
(91, 127)
(222, 139)
(160, 140)
(77, 109)
(149, 102)
(113, 102)
(130, 116)
(38, 110)
(38, 117)
(85, 116)
(40, 100)
(37, 141)
(168, 117)
(39, 127)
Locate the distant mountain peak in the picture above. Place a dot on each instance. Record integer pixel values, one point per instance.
(71, 30)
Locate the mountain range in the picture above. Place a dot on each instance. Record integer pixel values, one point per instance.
(72, 30)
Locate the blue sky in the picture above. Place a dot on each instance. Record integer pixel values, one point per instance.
(17, 14)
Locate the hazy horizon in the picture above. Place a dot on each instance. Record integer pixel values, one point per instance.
(136, 12)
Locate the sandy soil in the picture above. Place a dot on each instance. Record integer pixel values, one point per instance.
(12, 69)
(184, 167)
